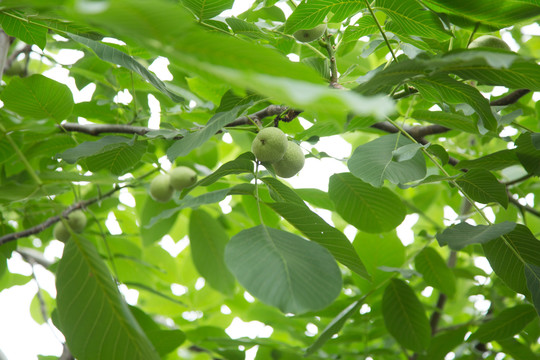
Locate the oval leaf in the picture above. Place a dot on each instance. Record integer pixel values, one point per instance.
(283, 269)
(483, 186)
(367, 208)
(435, 271)
(404, 316)
(93, 316)
(508, 323)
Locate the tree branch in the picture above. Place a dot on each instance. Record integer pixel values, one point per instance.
(511, 98)
(98, 129)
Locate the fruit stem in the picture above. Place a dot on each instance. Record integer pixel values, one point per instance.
(332, 57)
(21, 156)
(381, 31)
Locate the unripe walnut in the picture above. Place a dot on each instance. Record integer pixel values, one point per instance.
(309, 35)
(269, 144)
(161, 189)
(182, 177)
(291, 163)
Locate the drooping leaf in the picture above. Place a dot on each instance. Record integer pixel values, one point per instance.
(309, 14)
(435, 271)
(506, 324)
(316, 229)
(447, 119)
(368, 208)
(152, 232)
(444, 342)
(517, 349)
(528, 154)
(89, 148)
(405, 317)
(208, 239)
(506, 255)
(94, 317)
(283, 270)
(282, 193)
(373, 162)
(38, 97)
(482, 186)
(117, 158)
(334, 326)
(463, 234)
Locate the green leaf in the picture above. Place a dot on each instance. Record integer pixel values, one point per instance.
(90, 148)
(245, 28)
(207, 9)
(447, 119)
(117, 158)
(506, 13)
(38, 97)
(242, 164)
(527, 154)
(208, 239)
(283, 270)
(435, 271)
(152, 231)
(405, 317)
(410, 18)
(507, 255)
(93, 315)
(282, 193)
(463, 234)
(316, 197)
(193, 140)
(373, 162)
(482, 186)
(506, 324)
(496, 161)
(15, 24)
(532, 275)
(309, 14)
(367, 208)
(444, 342)
(334, 326)
(316, 229)
(517, 350)
(115, 56)
(442, 88)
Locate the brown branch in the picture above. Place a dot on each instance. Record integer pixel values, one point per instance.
(511, 98)
(33, 256)
(98, 129)
(53, 220)
(526, 208)
(13, 56)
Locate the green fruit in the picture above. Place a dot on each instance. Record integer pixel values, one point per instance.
(182, 177)
(489, 41)
(161, 189)
(60, 232)
(292, 162)
(309, 35)
(77, 221)
(269, 144)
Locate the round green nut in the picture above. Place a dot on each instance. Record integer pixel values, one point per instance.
(269, 144)
(161, 189)
(292, 162)
(182, 177)
(60, 232)
(309, 35)
(77, 221)
(489, 41)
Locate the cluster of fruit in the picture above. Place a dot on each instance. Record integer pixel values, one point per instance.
(76, 221)
(162, 186)
(271, 144)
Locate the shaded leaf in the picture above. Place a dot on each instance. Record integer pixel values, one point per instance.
(283, 270)
(207, 9)
(532, 275)
(463, 234)
(242, 164)
(502, 254)
(118, 158)
(405, 317)
(495, 161)
(208, 239)
(447, 119)
(435, 271)
(505, 324)
(368, 208)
